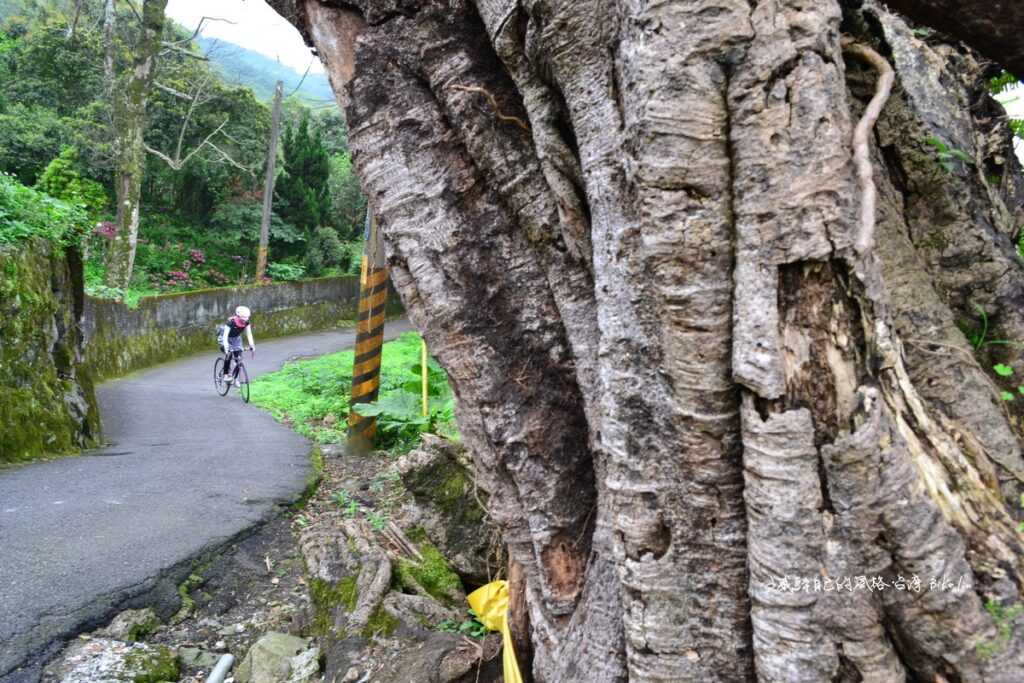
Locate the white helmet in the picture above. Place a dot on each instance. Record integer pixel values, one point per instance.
(243, 312)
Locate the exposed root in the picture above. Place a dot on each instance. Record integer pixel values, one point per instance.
(494, 105)
(886, 76)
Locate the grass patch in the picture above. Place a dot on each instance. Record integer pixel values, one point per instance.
(312, 396)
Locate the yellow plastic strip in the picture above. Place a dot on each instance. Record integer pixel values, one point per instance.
(490, 602)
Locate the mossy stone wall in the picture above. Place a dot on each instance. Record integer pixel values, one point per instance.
(47, 400)
(120, 340)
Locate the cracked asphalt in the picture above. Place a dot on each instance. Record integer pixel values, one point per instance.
(184, 472)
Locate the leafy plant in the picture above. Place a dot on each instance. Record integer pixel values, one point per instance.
(376, 520)
(285, 271)
(26, 213)
(947, 154)
(469, 627)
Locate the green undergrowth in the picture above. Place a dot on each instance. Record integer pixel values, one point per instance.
(433, 574)
(313, 396)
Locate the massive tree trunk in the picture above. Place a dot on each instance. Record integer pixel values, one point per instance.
(129, 118)
(692, 375)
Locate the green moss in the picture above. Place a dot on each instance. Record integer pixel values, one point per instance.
(327, 596)
(37, 369)
(188, 605)
(381, 623)
(153, 667)
(432, 574)
(139, 631)
(416, 534)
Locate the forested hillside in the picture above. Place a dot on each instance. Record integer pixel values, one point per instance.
(205, 141)
(240, 66)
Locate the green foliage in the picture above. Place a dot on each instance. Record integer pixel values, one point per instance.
(313, 395)
(62, 179)
(468, 627)
(947, 154)
(29, 135)
(1001, 83)
(285, 271)
(326, 251)
(302, 188)
(25, 213)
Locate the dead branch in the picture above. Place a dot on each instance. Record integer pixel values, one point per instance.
(866, 235)
(199, 27)
(178, 163)
(494, 104)
(172, 47)
(171, 91)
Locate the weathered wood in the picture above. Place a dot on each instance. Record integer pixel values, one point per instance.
(268, 182)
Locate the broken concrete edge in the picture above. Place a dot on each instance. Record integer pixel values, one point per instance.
(162, 593)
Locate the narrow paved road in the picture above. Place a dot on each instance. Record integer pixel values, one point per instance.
(185, 472)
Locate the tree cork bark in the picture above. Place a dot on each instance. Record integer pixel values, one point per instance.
(722, 442)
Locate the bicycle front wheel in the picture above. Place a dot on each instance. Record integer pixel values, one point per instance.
(242, 382)
(219, 384)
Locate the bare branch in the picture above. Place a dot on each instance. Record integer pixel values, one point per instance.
(866, 236)
(172, 47)
(171, 91)
(301, 80)
(227, 157)
(199, 27)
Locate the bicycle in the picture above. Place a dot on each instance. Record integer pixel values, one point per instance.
(239, 377)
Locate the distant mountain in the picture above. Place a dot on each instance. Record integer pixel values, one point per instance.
(241, 66)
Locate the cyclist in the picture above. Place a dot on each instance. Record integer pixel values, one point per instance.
(231, 338)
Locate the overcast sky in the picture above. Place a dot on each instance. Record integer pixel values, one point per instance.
(255, 26)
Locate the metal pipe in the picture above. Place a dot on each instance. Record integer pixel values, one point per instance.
(221, 670)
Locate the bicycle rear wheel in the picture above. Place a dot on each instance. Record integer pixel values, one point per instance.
(242, 381)
(219, 384)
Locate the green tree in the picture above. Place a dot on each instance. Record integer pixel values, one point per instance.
(303, 188)
(62, 179)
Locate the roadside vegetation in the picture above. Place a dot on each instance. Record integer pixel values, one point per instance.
(206, 143)
(313, 397)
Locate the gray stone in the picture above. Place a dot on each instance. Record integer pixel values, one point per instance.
(277, 657)
(131, 625)
(194, 658)
(103, 660)
(418, 610)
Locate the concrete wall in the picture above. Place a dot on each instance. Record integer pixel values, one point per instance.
(120, 339)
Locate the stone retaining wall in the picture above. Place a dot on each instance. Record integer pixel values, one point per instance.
(120, 340)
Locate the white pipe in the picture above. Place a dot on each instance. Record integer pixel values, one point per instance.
(221, 670)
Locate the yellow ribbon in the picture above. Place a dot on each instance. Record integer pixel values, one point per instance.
(490, 602)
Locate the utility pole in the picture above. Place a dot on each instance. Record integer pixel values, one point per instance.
(373, 293)
(268, 185)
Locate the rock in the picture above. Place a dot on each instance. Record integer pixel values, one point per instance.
(131, 625)
(341, 656)
(194, 658)
(305, 666)
(439, 477)
(113, 661)
(351, 675)
(220, 646)
(278, 657)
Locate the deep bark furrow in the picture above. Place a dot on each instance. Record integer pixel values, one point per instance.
(875, 488)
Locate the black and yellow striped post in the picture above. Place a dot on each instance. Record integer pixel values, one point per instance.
(373, 293)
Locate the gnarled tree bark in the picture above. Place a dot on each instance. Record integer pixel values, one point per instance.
(627, 231)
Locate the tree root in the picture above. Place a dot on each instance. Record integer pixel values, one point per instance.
(861, 156)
